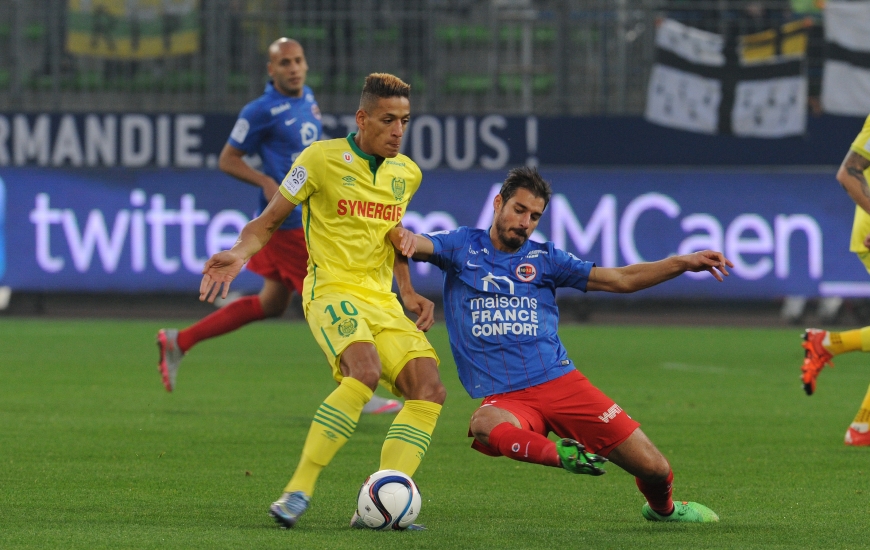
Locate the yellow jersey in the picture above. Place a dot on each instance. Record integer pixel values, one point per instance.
(349, 204)
(861, 223)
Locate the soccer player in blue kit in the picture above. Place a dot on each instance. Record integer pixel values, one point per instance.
(276, 126)
(501, 315)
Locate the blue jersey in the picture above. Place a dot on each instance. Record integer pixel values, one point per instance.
(501, 309)
(277, 128)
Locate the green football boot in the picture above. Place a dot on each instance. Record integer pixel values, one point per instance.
(686, 512)
(576, 460)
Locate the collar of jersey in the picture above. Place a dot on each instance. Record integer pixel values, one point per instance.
(272, 91)
(373, 165)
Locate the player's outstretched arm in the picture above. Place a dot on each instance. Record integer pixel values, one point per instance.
(410, 244)
(222, 268)
(634, 277)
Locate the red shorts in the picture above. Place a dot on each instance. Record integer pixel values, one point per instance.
(284, 259)
(569, 406)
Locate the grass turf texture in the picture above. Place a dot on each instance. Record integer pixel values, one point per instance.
(95, 454)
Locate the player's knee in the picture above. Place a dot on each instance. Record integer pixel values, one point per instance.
(435, 392)
(272, 312)
(368, 374)
(273, 307)
(428, 390)
(480, 426)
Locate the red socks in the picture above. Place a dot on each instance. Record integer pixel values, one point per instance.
(227, 319)
(658, 495)
(528, 446)
(524, 445)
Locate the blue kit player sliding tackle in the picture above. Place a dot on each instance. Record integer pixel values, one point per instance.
(501, 314)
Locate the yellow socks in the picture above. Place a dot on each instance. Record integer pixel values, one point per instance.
(862, 419)
(409, 436)
(851, 340)
(335, 421)
(843, 342)
(333, 424)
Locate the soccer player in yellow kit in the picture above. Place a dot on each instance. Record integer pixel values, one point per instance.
(821, 345)
(353, 191)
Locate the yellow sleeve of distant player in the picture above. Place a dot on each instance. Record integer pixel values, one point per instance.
(861, 145)
(302, 180)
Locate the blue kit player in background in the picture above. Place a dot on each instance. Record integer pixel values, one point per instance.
(501, 315)
(276, 126)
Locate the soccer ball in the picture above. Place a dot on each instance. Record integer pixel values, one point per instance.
(388, 499)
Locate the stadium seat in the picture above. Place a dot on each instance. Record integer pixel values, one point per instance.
(306, 34)
(184, 81)
(34, 31)
(145, 82)
(513, 83)
(119, 84)
(89, 81)
(588, 35)
(314, 80)
(540, 34)
(418, 83)
(41, 82)
(238, 82)
(470, 84)
(384, 36)
(463, 34)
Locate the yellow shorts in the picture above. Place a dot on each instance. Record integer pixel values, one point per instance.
(338, 320)
(865, 259)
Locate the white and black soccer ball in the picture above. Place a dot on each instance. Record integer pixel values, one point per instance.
(388, 499)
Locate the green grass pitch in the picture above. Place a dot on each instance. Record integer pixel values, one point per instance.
(95, 454)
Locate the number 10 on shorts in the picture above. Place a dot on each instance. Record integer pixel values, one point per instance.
(346, 324)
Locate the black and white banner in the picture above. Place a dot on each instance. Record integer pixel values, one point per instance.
(701, 83)
(846, 80)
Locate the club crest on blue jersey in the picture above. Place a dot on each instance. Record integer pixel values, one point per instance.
(526, 272)
(308, 133)
(398, 186)
(347, 327)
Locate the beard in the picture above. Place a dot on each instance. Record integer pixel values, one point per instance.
(512, 238)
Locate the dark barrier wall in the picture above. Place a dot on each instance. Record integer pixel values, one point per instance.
(460, 143)
(152, 229)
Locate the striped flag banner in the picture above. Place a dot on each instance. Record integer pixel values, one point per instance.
(846, 78)
(132, 29)
(754, 86)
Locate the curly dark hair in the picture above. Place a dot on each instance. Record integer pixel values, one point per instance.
(526, 177)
